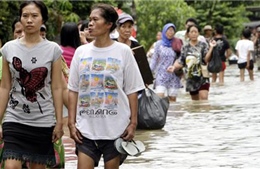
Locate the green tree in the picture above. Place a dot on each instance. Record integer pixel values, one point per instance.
(59, 12)
(83, 7)
(10, 10)
(231, 14)
(153, 15)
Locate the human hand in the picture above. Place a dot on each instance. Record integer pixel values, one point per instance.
(170, 69)
(247, 66)
(82, 37)
(57, 132)
(212, 43)
(129, 133)
(75, 133)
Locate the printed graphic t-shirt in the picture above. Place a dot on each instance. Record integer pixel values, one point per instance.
(222, 46)
(30, 100)
(103, 77)
(194, 78)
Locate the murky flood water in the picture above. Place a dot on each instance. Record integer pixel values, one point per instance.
(223, 132)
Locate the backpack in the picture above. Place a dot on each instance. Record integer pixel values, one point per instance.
(215, 63)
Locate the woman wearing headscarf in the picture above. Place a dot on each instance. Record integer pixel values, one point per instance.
(163, 57)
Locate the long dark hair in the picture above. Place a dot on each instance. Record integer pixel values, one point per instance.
(69, 35)
(84, 25)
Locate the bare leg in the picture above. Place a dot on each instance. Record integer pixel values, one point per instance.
(203, 94)
(84, 161)
(13, 164)
(37, 166)
(195, 97)
(160, 94)
(172, 99)
(251, 74)
(113, 164)
(242, 75)
(214, 77)
(221, 77)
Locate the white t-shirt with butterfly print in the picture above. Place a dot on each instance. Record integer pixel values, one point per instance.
(103, 77)
(31, 101)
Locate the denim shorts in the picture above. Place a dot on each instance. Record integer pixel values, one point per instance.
(96, 148)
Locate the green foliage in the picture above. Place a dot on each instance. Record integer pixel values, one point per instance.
(153, 15)
(7, 8)
(231, 15)
(82, 7)
(150, 15)
(59, 12)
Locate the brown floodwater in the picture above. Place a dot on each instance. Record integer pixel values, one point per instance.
(223, 132)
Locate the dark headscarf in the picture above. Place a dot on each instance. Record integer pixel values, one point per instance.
(165, 41)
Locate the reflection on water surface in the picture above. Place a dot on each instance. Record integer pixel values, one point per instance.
(223, 132)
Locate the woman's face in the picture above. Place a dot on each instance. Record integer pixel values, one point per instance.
(125, 30)
(87, 35)
(18, 30)
(97, 24)
(170, 33)
(159, 35)
(31, 19)
(193, 33)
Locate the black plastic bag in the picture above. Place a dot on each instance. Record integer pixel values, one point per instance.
(152, 110)
(215, 63)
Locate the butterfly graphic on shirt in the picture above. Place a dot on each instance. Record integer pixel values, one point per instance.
(13, 102)
(30, 82)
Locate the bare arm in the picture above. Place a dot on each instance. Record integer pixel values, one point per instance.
(65, 76)
(208, 55)
(74, 133)
(248, 59)
(65, 91)
(56, 87)
(254, 40)
(130, 130)
(174, 67)
(73, 97)
(5, 88)
(228, 53)
(212, 44)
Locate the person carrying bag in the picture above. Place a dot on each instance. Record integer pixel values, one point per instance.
(176, 46)
(152, 110)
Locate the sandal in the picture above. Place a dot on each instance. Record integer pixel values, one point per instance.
(130, 148)
(140, 146)
(133, 148)
(118, 145)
